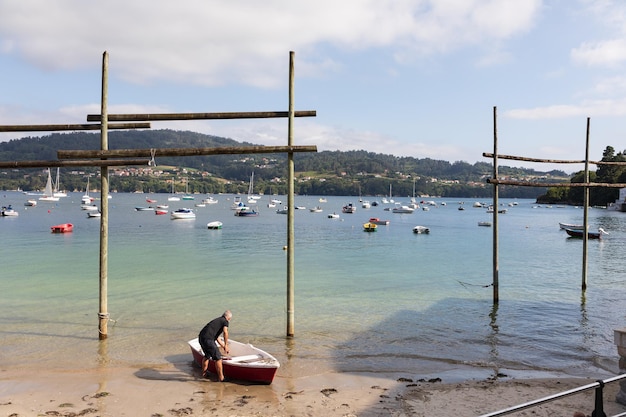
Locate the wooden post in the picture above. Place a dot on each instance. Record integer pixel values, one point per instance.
(586, 213)
(290, 207)
(103, 314)
(496, 267)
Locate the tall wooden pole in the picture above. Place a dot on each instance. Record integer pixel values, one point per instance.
(496, 267)
(103, 315)
(586, 209)
(290, 207)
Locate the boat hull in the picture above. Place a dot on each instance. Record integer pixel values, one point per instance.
(246, 363)
(580, 234)
(62, 228)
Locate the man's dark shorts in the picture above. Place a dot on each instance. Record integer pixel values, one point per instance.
(210, 349)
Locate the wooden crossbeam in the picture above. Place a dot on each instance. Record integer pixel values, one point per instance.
(199, 116)
(138, 153)
(74, 163)
(59, 127)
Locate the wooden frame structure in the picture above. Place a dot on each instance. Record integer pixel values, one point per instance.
(102, 159)
(495, 181)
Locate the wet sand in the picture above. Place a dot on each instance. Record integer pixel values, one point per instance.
(168, 391)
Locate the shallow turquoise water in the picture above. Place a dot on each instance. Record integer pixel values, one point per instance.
(384, 302)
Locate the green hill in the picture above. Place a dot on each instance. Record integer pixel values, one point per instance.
(321, 173)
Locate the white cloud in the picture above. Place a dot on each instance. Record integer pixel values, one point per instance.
(604, 53)
(207, 42)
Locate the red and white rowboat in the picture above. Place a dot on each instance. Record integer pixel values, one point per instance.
(245, 362)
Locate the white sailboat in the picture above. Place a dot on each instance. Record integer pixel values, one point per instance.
(48, 194)
(252, 199)
(56, 191)
(86, 198)
(173, 197)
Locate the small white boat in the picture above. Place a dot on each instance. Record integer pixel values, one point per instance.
(140, 208)
(209, 200)
(484, 224)
(214, 225)
(349, 208)
(89, 207)
(317, 209)
(200, 204)
(402, 209)
(48, 194)
(366, 204)
(333, 216)
(244, 363)
(31, 203)
(421, 230)
(9, 211)
(93, 214)
(183, 213)
(283, 210)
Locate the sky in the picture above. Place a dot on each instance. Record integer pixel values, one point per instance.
(417, 78)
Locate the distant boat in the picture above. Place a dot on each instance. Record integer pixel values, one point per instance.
(590, 235)
(379, 222)
(56, 192)
(252, 199)
(173, 196)
(317, 209)
(246, 211)
(160, 211)
(214, 225)
(333, 216)
(323, 200)
(183, 213)
(86, 198)
(421, 230)
(402, 209)
(93, 214)
(366, 204)
(349, 208)
(9, 211)
(62, 228)
(209, 200)
(283, 210)
(31, 203)
(486, 224)
(370, 227)
(139, 208)
(48, 194)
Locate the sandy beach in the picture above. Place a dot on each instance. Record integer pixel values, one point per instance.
(168, 391)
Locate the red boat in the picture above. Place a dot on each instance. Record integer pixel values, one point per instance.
(245, 362)
(62, 228)
(160, 211)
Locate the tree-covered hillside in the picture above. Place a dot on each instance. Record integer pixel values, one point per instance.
(321, 173)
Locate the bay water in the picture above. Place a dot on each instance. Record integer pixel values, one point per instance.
(390, 302)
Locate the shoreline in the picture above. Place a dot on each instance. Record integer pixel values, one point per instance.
(171, 391)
